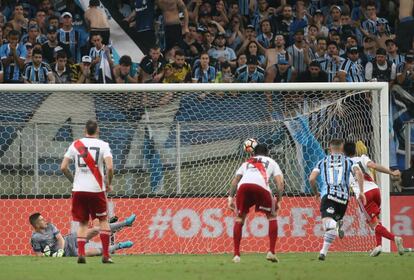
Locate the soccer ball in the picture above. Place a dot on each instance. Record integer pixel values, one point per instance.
(249, 145)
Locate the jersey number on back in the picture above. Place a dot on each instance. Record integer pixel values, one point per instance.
(84, 154)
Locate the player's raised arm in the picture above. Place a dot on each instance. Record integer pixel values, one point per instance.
(373, 165)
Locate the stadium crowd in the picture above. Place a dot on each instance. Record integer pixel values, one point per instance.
(210, 41)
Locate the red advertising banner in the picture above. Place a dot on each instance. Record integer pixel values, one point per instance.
(204, 225)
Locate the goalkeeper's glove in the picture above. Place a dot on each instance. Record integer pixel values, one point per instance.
(46, 251)
(59, 253)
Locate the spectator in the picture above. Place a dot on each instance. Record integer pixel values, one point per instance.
(233, 10)
(204, 73)
(320, 52)
(53, 21)
(405, 72)
(29, 50)
(225, 75)
(235, 33)
(392, 52)
(334, 36)
(81, 72)
(318, 21)
(297, 51)
(351, 41)
(369, 51)
(208, 40)
(311, 35)
(172, 27)
(220, 13)
(281, 72)
(102, 63)
(380, 69)
(335, 19)
(36, 71)
(254, 49)
(215, 28)
(125, 73)
(152, 66)
(190, 47)
(369, 26)
(46, 6)
(241, 63)
(351, 69)
(286, 24)
(97, 22)
(273, 53)
(348, 28)
(33, 36)
(61, 69)
(220, 52)
(13, 56)
(48, 47)
(313, 74)
(382, 35)
(258, 11)
(265, 38)
(405, 30)
(179, 71)
(71, 37)
(251, 74)
(19, 21)
(332, 63)
(407, 178)
(41, 20)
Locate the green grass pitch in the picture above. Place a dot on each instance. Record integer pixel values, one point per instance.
(253, 266)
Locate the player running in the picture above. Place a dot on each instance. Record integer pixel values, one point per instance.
(48, 241)
(88, 194)
(252, 185)
(372, 208)
(336, 171)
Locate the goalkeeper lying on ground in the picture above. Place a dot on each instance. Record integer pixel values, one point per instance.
(48, 241)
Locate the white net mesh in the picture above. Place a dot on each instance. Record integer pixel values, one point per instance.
(174, 156)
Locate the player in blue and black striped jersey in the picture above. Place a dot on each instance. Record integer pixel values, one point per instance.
(335, 170)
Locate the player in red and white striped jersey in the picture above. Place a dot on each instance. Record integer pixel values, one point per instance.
(88, 194)
(252, 185)
(372, 208)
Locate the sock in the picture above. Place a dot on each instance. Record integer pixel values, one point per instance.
(113, 248)
(237, 236)
(381, 231)
(81, 246)
(116, 226)
(272, 235)
(104, 235)
(328, 238)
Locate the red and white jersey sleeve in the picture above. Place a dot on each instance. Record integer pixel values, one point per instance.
(251, 175)
(85, 180)
(369, 182)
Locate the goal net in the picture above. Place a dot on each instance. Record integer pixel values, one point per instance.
(175, 150)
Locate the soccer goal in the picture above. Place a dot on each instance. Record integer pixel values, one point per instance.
(176, 148)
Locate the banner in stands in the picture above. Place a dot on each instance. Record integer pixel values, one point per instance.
(164, 226)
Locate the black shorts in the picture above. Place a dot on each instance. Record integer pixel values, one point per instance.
(173, 36)
(405, 34)
(333, 209)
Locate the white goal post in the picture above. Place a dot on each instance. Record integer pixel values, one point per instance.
(331, 94)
